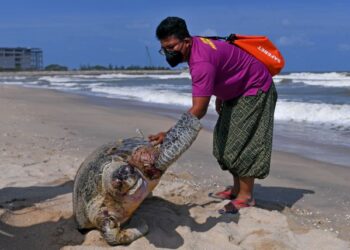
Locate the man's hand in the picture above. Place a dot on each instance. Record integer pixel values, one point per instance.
(218, 105)
(157, 139)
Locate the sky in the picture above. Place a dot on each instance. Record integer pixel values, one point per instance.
(313, 35)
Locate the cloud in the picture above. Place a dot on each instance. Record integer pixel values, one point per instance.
(344, 47)
(208, 32)
(294, 41)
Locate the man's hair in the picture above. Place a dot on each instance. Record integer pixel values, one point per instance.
(172, 26)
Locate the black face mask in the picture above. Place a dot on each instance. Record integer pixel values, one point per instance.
(173, 57)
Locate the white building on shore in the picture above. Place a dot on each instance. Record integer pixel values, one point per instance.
(21, 58)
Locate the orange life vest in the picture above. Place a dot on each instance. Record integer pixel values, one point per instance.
(260, 47)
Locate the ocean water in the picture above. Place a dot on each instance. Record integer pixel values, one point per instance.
(312, 113)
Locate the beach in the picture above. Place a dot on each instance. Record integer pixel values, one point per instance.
(46, 134)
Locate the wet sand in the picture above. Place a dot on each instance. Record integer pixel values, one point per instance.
(45, 135)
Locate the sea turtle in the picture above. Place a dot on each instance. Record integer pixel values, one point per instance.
(113, 181)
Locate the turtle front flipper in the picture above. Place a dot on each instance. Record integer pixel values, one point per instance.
(115, 235)
(177, 140)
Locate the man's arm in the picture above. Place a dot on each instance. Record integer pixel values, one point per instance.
(200, 106)
(199, 109)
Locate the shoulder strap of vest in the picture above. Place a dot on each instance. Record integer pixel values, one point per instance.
(229, 38)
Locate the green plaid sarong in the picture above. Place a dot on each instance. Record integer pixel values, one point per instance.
(243, 134)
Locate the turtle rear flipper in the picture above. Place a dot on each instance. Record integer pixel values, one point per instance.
(124, 236)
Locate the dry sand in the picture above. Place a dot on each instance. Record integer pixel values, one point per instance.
(45, 135)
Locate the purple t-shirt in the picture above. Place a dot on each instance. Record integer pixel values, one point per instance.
(226, 71)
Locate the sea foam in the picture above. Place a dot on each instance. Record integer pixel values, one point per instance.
(332, 79)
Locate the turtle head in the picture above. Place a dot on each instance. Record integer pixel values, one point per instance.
(122, 179)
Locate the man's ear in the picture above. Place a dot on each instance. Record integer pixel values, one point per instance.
(187, 40)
